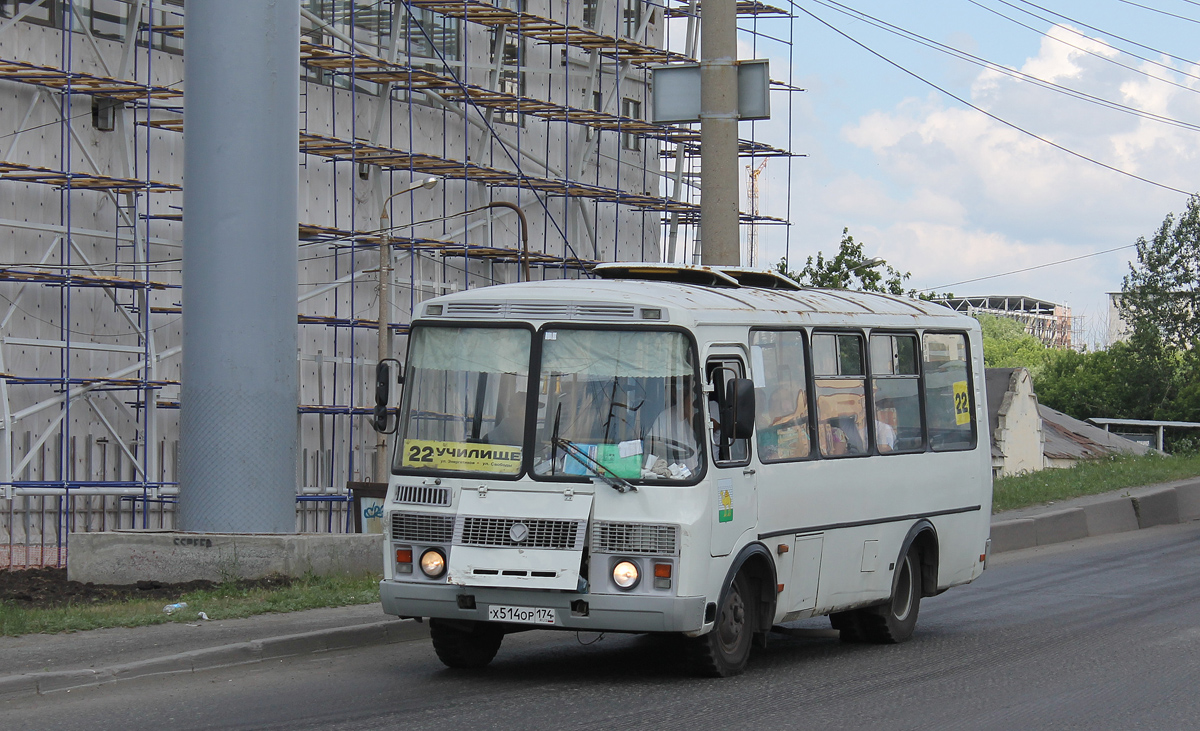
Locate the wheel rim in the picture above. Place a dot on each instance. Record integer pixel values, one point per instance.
(733, 620)
(902, 600)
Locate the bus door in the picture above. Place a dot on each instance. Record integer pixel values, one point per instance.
(734, 486)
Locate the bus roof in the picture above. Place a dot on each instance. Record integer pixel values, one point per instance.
(616, 300)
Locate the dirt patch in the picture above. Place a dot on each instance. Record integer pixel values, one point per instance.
(47, 587)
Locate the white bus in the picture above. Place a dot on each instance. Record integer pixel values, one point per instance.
(683, 450)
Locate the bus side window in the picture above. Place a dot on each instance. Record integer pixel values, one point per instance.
(949, 406)
(895, 393)
(781, 424)
(840, 380)
(720, 371)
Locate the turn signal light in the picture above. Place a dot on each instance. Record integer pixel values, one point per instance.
(403, 555)
(662, 570)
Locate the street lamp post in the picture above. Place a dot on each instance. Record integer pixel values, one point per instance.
(524, 232)
(385, 306)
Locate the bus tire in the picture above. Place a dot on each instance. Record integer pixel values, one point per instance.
(465, 645)
(725, 650)
(894, 621)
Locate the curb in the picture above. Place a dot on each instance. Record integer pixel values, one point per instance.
(1165, 505)
(240, 653)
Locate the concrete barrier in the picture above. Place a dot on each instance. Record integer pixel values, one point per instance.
(1111, 516)
(1010, 535)
(1188, 495)
(126, 557)
(1060, 526)
(1160, 507)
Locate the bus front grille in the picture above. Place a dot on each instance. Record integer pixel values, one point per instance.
(423, 495)
(640, 538)
(541, 533)
(422, 528)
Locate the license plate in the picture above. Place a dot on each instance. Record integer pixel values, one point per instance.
(523, 615)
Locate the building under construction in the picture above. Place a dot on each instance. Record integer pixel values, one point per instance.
(542, 104)
(1050, 323)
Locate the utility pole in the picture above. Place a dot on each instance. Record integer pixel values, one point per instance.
(719, 134)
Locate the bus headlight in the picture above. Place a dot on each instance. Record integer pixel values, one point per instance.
(625, 574)
(433, 563)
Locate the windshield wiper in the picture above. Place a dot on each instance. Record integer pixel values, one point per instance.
(607, 476)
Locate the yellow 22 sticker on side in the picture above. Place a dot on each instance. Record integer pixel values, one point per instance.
(437, 455)
(962, 403)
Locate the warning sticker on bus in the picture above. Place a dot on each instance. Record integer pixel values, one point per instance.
(962, 404)
(431, 454)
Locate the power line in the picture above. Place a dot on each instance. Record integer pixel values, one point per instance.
(1156, 10)
(1089, 52)
(1029, 269)
(999, 68)
(1098, 30)
(983, 111)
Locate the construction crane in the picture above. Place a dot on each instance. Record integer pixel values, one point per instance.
(752, 174)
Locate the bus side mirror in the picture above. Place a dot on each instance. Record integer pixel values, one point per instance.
(379, 419)
(737, 414)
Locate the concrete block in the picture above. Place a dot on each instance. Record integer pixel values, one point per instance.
(1188, 495)
(126, 557)
(1010, 535)
(18, 685)
(363, 635)
(289, 645)
(1160, 507)
(1111, 516)
(1060, 526)
(154, 666)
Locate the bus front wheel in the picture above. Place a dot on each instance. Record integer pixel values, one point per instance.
(465, 645)
(725, 650)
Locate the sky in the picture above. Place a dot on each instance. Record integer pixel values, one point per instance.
(951, 194)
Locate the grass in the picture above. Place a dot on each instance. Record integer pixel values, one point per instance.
(1090, 478)
(223, 601)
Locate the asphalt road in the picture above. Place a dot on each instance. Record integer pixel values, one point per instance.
(1099, 634)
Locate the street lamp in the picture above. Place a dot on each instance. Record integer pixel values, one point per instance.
(385, 304)
(524, 232)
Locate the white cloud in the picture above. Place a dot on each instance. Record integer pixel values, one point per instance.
(952, 194)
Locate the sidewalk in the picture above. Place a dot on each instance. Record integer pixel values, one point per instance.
(45, 663)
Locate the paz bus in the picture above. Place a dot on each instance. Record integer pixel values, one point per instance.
(691, 450)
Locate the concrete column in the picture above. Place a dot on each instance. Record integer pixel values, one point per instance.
(238, 427)
(721, 243)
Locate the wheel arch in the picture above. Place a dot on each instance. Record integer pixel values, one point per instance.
(922, 535)
(756, 560)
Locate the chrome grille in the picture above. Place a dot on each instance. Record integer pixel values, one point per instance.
(643, 538)
(423, 495)
(543, 533)
(422, 527)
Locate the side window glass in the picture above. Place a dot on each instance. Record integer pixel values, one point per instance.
(781, 395)
(949, 405)
(841, 385)
(720, 371)
(895, 393)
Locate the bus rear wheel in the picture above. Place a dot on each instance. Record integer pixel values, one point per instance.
(465, 645)
(894, 622)
(725, 650)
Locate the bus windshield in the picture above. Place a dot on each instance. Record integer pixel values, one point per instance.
(466, 394)
(625, 400)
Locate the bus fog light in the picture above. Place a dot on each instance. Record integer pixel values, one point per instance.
(433, 563)
(625, 575)
(662, 583)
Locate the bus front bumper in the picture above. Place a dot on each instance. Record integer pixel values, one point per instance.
(604, 612)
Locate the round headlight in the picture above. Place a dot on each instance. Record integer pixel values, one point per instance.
(433, 563)
(625, 574)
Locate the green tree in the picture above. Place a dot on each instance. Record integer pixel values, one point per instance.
(1162, 290)
(845, 270)
(1007, 345)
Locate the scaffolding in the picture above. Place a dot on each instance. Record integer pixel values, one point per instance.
(538, 103)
